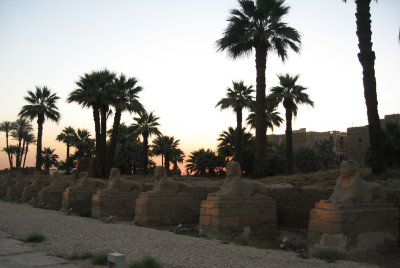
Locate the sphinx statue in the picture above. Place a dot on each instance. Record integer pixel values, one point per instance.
(51, 195)
(118, 199)
(14, 192)
(85, 183)
(234, 185)
(30, 192)
(351, 189)
(165, 185)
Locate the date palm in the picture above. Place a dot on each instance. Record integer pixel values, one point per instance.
(238, 98)
(146, 125)
(290, 94)
(94, 91)
(67, 136)
(49, 158)
(20, 129)
(367, 60)
(84, 145)
(203, 163)
(166, 146)
(42, 105)
(5, 126)
(272, 117)
(29, 138)
(124, 98)
(258, 26)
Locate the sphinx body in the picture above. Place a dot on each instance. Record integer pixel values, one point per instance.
(117, 184)
(165, 185)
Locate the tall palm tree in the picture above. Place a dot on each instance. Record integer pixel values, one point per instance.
(29, 138)
(67, 136)
(146, 125)
(95, 91)
(272, 117)
(20, 129)
(367, 60)
(5, 126)
(291, 95)
(237, 98)
(49, 158)
(258, 25)
(42, 105)
(166, 146)
(84, 145)
(125, 98)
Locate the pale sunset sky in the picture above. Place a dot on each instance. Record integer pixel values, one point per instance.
(169, 46)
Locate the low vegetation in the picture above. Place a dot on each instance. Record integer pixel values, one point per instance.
(37, 238)
(146, 262)
(100, 259)
(82, 256)
(329, 256)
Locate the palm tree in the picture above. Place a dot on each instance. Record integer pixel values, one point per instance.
(125, 98)
(84, 145)
(146, 125)
(367, 60)
(42, 105)
(49, 158)
(325, 152)
(203, 162)
(237, 98)
(11, 151)
(272, 117)
(67, 136)
(291, 95)
(177, 156)
(95, 91)
(29, 138)
(5, 126)
(20, 129)
(165, 146)
(258, 25)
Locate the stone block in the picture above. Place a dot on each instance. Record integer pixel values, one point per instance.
(353, 229)
(79, 201)
(230, 214)
(120, 205)
(163, 209)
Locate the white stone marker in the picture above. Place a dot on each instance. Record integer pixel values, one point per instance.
(116, 260)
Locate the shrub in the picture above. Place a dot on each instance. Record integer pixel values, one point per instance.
(146, 262)
(100, 259)
(83, 256)
(306, 160)
(35, 238)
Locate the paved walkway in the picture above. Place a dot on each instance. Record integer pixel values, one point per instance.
(17, 254)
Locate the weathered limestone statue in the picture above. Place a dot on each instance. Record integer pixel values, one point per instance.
(356, 219)
(14, 192)
(234, 185)
(169, 203)
(6, 182)
(238, 204)
(51, 196)
(351, 189)
(30, 192)
(79, 197)
(118, 199)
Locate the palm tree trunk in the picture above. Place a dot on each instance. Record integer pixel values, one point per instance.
(145, 152)
(289, 142)
(67, 161)
(22, 152)
(9, 155)
(96, 118)
(26, 152)
(167, 160)
(103, 136)
(114, 137)
(239, 156)
(367, 60)
(40, 122)
(259, 158)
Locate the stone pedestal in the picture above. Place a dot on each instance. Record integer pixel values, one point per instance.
(120, 205)
(30, 192)
(7, 182)
(14, 192)
(353, 229)
(161, 209)
(230, 214)
(79, 200)
(51, 197)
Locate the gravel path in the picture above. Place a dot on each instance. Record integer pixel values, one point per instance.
(66, 235)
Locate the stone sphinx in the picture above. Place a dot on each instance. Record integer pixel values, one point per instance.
(356, 219)
(118, 199)
(79, 196)
(169, 203)
(351, 189)
(14, 192)
(51, 195)
(238, 204)
(30, 192)
(6, 182)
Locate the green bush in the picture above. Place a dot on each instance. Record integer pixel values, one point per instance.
(329, 256)
(306, 160)
(146, 262)
(100, 259)
(83, 256)
(35, 238)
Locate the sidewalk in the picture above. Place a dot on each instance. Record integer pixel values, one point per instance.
(17, 254)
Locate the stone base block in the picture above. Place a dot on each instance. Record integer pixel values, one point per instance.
(79, 201)
(160, 210)
(30, 192)
(14, 193)
(231, 214)
(120, 205)
(353, 229)
(51, 197)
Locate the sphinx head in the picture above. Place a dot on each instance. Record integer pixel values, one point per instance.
(160, 173)
(233, 169)
(114, 173)
(349, 169)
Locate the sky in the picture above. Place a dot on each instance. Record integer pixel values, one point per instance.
(169, 46)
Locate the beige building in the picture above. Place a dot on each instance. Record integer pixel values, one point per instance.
(358, 139)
